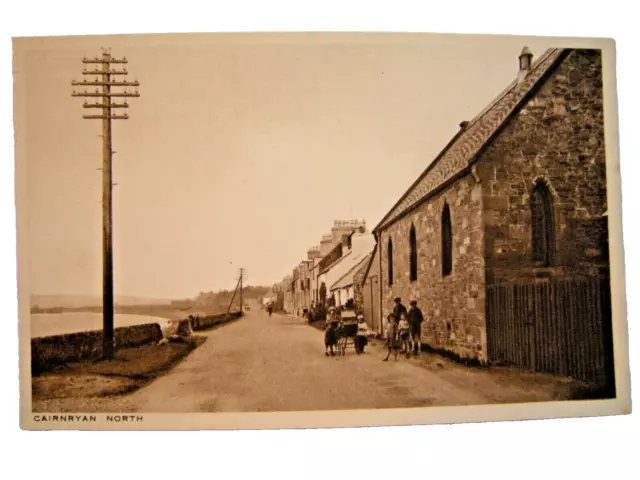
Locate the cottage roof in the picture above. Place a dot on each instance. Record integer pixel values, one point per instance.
(371, 264)
(348, 278)
(361, 246)
(463, 149)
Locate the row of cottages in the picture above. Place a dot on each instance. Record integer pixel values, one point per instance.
(503, 240)
(313, 279)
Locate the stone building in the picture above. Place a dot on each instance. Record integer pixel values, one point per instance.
(517, 196)
(339, 276)
(305, 285)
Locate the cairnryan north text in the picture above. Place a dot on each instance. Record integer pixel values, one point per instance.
(87, 418)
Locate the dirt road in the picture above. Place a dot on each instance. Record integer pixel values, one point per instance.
(278, 364)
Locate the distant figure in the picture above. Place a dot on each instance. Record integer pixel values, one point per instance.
(270, 309)
(415, 322)
(392, 336)
(361, 335)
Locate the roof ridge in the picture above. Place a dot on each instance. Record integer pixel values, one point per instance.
(356, 266)
(464, 147)
(511, 86)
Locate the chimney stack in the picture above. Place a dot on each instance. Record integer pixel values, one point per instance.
(526, 59)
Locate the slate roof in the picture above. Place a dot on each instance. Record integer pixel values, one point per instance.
(467, 143)
(348, 278)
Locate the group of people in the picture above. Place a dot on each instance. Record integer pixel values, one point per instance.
(404, 331)
(332, 332)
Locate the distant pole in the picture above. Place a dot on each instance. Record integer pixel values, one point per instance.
(241, 275)
(102, 68)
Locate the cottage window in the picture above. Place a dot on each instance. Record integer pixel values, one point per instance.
(390, 261)
(447, 242)
(542, 224)
(413, 259)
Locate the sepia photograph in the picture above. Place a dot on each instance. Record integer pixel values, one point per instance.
(287, 230)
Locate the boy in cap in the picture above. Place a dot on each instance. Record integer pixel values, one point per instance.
(399, 309)
(415, 324)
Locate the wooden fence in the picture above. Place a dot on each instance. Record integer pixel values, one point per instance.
(561, 327)
(371, 304)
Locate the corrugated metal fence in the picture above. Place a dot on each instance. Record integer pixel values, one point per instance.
(562, 327)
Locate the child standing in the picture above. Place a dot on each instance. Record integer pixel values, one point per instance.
(331, 332)
(392, 336)
(361, 335)
(403, 333)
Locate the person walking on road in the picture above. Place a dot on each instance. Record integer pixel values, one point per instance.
(415, 324)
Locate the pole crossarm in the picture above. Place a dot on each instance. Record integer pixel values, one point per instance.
(107, 94)
(104, 59)
(96, 71)
(110, 83)
(105, 105)
(104, 117)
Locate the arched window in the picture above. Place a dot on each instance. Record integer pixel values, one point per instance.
(542, 224)
(413, 258)
(447, 241)
(390, 261)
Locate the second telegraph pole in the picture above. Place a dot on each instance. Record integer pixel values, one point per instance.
(105, 79)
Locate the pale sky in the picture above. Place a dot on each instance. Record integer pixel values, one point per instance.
(241, 150)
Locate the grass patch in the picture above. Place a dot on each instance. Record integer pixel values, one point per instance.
(131, 369)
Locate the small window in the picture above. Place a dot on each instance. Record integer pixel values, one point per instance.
(413, 259)
(390, 261)
(447, 242)
(542, 224)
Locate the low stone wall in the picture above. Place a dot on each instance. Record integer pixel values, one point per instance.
(210, 321)
(48, 352)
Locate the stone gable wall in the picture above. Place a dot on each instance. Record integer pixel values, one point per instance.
(454, 306)
(558, 136)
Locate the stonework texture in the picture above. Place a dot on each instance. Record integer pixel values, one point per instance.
(558, 136)
(453, 305)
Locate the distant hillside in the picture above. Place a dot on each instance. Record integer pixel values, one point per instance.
(78, 301)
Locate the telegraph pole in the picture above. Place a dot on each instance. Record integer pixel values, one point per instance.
(241, 277)
(106, 77)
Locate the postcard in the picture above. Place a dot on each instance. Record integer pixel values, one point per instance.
(306, 230)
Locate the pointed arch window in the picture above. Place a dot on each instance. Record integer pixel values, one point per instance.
(390, 261)
(447, 242)
(413, 255)
(542, 224)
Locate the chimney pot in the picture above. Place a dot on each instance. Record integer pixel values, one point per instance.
(525, 59)
(464, 125)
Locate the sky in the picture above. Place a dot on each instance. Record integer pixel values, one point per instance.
(241, 151)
